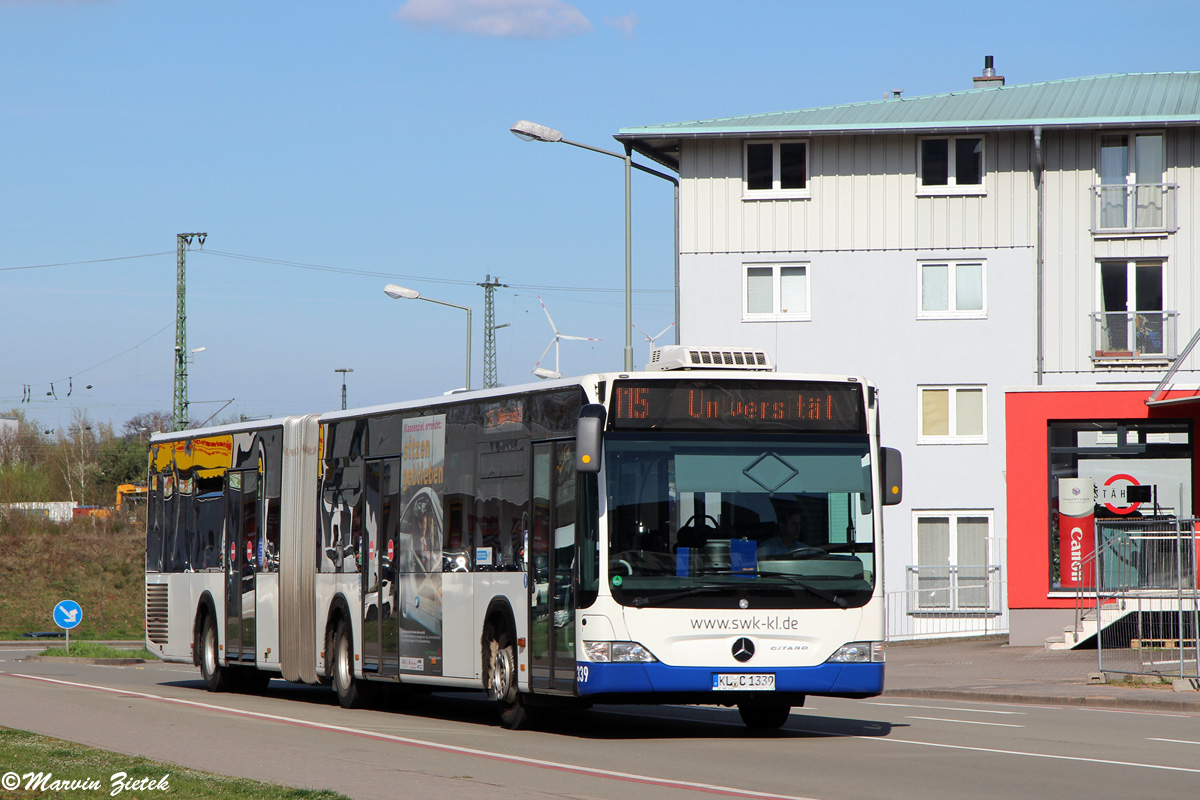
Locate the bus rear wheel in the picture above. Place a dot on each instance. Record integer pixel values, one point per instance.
(764, 717)
(514, 714)
(216, 677)
(349, 691)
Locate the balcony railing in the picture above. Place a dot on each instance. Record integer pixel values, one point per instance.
(932, 613)
(1134, 335)
(1133, 208)
(955, 589)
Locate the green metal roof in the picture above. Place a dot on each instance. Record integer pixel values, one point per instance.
(1159, 98)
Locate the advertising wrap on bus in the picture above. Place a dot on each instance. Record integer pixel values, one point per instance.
(421, 524)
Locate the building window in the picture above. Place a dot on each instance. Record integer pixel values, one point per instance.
(776, 169)
(952, 289)
(952, 415)
(951, 164)
(776, 292)
(1115, 455)
(954, 570)
(1130, 321)
(1130, 193)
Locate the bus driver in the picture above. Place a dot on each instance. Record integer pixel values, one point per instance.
(787, 541)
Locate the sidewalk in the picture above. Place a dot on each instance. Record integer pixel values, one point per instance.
(992, 671)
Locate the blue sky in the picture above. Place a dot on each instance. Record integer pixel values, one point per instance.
(344, 146)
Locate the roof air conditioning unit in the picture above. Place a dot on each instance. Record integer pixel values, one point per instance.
(678, 356)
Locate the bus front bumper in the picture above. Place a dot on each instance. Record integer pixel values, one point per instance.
(837, 680)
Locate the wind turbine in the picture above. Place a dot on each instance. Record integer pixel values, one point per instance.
(655, 337)
(538, 369)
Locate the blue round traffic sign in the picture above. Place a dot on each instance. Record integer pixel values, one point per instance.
(68, 614)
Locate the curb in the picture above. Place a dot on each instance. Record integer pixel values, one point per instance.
(1090, 701)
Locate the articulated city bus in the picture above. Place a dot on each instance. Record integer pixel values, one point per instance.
(707, 531)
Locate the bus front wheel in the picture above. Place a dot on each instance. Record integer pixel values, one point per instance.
(216, 677)
(762, 717)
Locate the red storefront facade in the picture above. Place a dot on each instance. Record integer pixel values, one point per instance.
(1113, 440)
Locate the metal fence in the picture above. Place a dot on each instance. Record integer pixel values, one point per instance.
(1146, 584)
(947, 602)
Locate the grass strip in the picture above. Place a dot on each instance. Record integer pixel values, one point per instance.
(77, 771)
(98, 650)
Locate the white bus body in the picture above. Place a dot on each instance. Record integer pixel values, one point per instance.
(477, 542)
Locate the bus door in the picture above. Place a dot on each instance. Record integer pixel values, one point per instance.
(380, 607)
(552, 547)
(241, 562)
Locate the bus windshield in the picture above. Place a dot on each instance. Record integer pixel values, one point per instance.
(707, 521)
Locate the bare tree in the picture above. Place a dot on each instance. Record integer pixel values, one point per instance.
(74, 454)
(148, 422)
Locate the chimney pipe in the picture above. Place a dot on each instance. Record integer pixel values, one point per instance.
(989, 79)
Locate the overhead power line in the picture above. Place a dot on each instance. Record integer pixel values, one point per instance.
(343, 270)
(90, 261)
(426, 278)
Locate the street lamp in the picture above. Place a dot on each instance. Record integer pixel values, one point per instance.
(401, 293)
(533, 132)
(344, 370)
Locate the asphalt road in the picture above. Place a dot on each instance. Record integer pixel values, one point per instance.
(450, 746)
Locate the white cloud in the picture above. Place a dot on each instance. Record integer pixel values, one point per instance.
(624, 24)
(529, 19)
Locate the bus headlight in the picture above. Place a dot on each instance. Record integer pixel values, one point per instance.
(858, 653)
(618, 652)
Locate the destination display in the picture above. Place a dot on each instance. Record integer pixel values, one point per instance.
(810, 406)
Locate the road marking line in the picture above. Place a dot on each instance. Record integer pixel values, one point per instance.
(997, 751)
(1142, 711)
(945, 708)
(428, 745)
(969, 722)
(1172, 741)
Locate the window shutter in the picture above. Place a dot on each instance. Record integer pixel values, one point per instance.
(972, 541)
(793, 290)
(969, 412)
(935, 287)
(935, 412)
(758, 290)
(968, 287)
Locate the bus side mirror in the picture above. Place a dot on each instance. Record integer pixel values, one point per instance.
(589, 438)
(892, 473)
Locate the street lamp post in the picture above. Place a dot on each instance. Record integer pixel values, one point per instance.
(533, 132)
(344, 370)
(401, 293)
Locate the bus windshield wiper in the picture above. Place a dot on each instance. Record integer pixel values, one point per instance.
(642, 602)
(816, 591)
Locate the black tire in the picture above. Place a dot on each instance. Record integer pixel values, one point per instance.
(502, 680)
(763, 717)
(349, 690)
(216, 677)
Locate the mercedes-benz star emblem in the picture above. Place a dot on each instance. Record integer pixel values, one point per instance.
(743, 649)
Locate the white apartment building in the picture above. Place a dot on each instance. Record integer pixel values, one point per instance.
(1036, 240)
